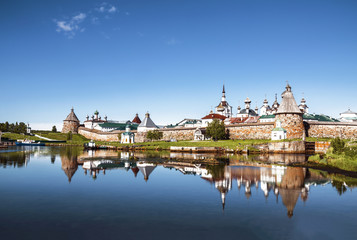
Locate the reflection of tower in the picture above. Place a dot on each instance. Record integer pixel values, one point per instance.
(53, 159)
(248, 191)
(146, 169)
(289, 197)
(290, 188)
(223, 186)
(69, 166)
(135, 171)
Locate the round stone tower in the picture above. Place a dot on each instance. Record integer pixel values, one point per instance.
(71, 123)
(290, 115)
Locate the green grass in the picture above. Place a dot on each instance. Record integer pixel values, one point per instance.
(76, 138)
(229, 144)
(340, 160)
(310, 139)
(17, 136)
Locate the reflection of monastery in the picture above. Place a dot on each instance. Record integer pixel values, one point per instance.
(280, 120)
(287, 183)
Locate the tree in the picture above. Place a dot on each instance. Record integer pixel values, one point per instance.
(69, 135)
(216, 130)
(154, 135)
(338, 145)
(54, 129)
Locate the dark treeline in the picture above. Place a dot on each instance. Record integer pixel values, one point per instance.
(13, 127)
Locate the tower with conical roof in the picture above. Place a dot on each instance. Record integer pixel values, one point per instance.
(290, 115)
(147, 124)
(136, 119)
(71, 123)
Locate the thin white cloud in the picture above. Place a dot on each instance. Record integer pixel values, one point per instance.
(112, 9)
(62, 25)
(71, 26)
(101, 9)
(172, 41)
(80, 17)
(106, 8)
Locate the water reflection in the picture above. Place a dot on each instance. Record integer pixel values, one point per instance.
(16, 159)
(289, 183)
(283, 183)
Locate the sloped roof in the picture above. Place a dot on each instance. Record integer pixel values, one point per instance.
(238, 120)
(320, 118)
(288, 104)
(279, 129)
(117, 126)
(250, 112)
(128, 133)
(72, 116)
(349, 112)
(253, 119)
(214, 116)
(136, 119)
(147, 122)
(267, 116)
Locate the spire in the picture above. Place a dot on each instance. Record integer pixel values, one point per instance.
(223, 94)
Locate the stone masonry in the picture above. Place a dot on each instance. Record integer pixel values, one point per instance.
(332, 130)
(250, 131)
(293, 124)
(70, 126)
(242, 131)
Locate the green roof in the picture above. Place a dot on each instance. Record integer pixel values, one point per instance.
(279, 129)
(171, 126)
(267, 116)
(118, 126)
(320, 118)
(128, 133)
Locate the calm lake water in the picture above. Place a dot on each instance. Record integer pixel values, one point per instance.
(68, 193)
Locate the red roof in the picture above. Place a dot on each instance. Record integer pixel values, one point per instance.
(244, 120)
(136, 119)
(237, 120)
(214, 116)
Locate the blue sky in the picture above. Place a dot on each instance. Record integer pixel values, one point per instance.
(171, 57)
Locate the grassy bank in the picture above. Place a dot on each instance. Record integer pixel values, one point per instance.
(342, 154)
(76, 138)
(17, 136)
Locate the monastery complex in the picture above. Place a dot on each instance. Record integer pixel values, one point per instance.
(284, 120)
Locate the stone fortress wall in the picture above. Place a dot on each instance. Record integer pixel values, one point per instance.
(331, 130)
(237, 131)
